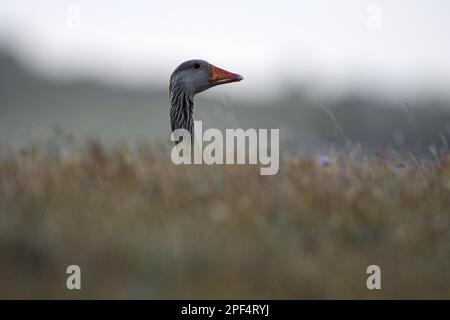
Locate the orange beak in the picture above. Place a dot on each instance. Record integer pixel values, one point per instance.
(220, 76)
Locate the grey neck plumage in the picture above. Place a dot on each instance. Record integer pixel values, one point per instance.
(181, 110)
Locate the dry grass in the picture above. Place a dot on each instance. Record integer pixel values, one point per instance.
(140, 227)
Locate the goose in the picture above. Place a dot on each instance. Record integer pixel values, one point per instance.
(188, 79)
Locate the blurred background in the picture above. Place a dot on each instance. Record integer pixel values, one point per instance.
(344, 76)
(324, 72)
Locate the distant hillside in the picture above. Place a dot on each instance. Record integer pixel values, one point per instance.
(32, 106)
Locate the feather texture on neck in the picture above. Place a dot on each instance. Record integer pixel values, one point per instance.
(181, 110)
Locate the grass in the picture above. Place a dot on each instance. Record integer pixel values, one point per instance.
(141, 227)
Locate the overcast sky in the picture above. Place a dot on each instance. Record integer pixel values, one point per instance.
(399, 44)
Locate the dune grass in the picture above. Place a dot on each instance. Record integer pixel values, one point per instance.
(141, 227)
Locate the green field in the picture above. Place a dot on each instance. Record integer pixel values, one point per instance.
(141, 227)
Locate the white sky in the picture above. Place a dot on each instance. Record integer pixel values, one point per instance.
(269, 42)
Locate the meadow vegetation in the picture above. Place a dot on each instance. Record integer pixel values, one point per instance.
(141, 227)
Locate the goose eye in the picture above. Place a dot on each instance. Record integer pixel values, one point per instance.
(196, 66)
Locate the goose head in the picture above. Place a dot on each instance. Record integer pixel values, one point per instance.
(195, 76)
(190, 78)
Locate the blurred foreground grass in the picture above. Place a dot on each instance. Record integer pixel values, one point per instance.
(141, 227)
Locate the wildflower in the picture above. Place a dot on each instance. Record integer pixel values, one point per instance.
(325, 161)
